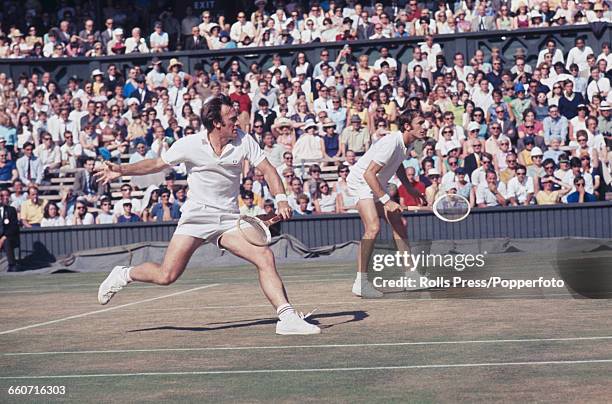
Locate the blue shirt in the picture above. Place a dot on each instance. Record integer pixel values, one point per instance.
(332, 145)
(158, 211)
(555, 127)
(574, 197)
(132, 219)
(339, 118)
(6, 172)
(10, 134)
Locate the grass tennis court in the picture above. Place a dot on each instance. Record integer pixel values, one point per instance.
(210, 337)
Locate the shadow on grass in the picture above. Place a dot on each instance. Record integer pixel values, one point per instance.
(341, 317)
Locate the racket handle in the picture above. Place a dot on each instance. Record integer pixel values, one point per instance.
(273, 220)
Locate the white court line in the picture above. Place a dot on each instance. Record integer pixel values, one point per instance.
(90, 313)
(315, 370)
(321, 346)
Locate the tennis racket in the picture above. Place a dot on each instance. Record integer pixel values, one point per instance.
(255, 230)
(451, 208)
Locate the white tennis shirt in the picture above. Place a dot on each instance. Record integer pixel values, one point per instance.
(389, 152)
(214, 180)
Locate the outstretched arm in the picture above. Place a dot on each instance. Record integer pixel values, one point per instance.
(113, 171)
(276, 188)
(401, 174)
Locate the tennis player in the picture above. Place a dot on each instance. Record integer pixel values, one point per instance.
(214, 160)
(368, 182)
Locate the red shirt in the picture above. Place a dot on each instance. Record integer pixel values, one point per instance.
(243, 99)
(410, 200)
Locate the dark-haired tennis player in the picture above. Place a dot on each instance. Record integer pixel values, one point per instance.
(368, 182)
(214, 160)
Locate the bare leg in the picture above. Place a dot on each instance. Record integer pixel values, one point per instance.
(400, 235)
(368, 212)
(263, 259)
(178, 253)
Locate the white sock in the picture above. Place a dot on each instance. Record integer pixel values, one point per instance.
(285, 311)
(128, 278)
(360, 276)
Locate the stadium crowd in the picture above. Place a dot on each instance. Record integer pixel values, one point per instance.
(499, 132)
(31, 30)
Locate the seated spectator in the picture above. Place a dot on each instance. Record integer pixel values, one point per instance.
(105, 215)
(492, 192)
(127, 216)
(536, 169)
(405, 197)
(29, 166)
(433, 191)
(247, 185)
(8, 169)
(520, 188)
(548, 196)
(164, 210)
(326, 199)
(249, 207)
(81, 216)
(52, 216)
(309, 146)
(302, 202)
(32, 210)
(331, 139)
(355, 138)
(126, 195)
(85, 185)
(70, 151)
(18, 196)
(580, 195)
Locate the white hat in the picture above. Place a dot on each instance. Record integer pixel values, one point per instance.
(473, 126)
(536, 151)
(604, 106)
(535, 14)
(118, 31)
(132, 101)
(309, 124)
(433, 171)
(97, 72)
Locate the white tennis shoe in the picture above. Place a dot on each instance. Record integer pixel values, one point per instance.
(114, 282)
(296, 324)
(365, 289)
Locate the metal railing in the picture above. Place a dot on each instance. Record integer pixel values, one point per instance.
(531, 40)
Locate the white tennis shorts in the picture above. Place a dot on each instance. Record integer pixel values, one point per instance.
(359, 190)
(205, 222)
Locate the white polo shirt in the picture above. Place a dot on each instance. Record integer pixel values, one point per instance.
(214, 180)
(519, 190)
(389, 152)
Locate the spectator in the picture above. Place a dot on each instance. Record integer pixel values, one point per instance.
(29, 166)
(80, 216)
(31, 211)
(127, 216)
(309, 146)
(126, 195)
(8, 169)
(326, 199)
(302, 204)
(580, 195)
(164, 210)
(9, 229)
(249, 207)
(433, 191)
(520, 188)
(105, 215)
(52, 216)
(158, 40)
(85, 184)
(548, 196)
(406, 198)
(492, 192)
(355, 138)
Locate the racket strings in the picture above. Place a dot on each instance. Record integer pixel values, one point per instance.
(452, 207)
(253, 230)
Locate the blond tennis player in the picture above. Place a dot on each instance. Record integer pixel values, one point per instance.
(368, 182)
(214, 160)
